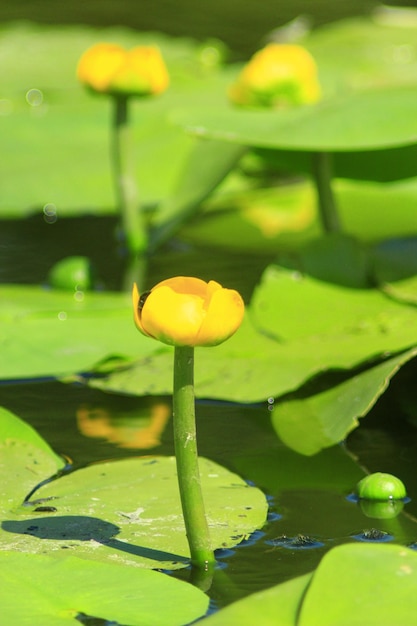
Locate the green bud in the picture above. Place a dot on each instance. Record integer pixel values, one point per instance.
(382, 487)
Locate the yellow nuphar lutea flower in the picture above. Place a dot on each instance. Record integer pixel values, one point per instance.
(187, 311)
(110, 69)
(279, 75)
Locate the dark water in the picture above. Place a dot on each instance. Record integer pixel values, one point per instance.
(241, 24)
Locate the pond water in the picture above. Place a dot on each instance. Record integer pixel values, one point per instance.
(310, 511)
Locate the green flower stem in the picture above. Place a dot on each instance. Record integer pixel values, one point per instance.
(185, 440)
(322, 172)
(134, 227)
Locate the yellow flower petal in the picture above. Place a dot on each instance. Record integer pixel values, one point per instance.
(185, 284)
(276, 76)
(109, 68)
(187, 311)
(98, 65)
(143, 73)
(173, 318)
(223, 318)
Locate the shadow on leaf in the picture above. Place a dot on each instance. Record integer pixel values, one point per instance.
(83, 528)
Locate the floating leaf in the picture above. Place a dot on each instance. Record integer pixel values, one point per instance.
(55, 333)
(130, 512)
(38, 589)
(296, 327)
(282, 219)
(26, 460)
(341, 592)
(309, 423)
(293, 308)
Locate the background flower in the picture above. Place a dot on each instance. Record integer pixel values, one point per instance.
(279, 75)
(109, 68)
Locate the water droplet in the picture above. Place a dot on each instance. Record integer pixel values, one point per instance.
(50, 213)
(78, 295)
(62, 316)
(34, 97)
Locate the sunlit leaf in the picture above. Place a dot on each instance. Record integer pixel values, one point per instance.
(341, 592)
(38, 589)
(26, 460)
(308, 423)
(367, 70)
(292, 307)
(345, 585)
(278, 605)
(52, 333)
(130, 512)
(296, 327)
(379, 118)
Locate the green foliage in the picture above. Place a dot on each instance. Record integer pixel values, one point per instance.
(63, 130)
(125, 511)
(57, 591)
(341, 592)
(46, 332)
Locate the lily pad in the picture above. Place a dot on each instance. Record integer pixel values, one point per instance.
(279, 220)
(309, 423)
(129, 512)
(341, 592)
(26, 459)
(374, 119)
(55, 333)
(65, 589)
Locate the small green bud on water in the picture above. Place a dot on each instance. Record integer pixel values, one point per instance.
(71, 273)
(382, 487)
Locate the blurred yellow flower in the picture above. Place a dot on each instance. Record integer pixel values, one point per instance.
(110, 69)
(279, 75)
(186, 311)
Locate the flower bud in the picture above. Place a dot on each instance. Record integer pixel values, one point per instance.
(110, 69)
(278, 76)
(382, 487)
(186, 311)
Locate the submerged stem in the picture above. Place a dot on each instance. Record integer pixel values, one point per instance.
(134, 227)
(322, 172)
(186, 454)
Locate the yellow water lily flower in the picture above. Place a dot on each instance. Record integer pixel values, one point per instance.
(187, 311)
(277, 76)
(109, 68)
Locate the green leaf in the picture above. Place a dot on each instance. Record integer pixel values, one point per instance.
(207, 165)
(292, 308)
(56, 591)
(279, 605)
(130, 512)
(26, 460)
(55, 333)
(374, 119)
(296, 327)
(12, 428)
(323, 418)
(283, 219)
(347, 582)
(341, 592)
